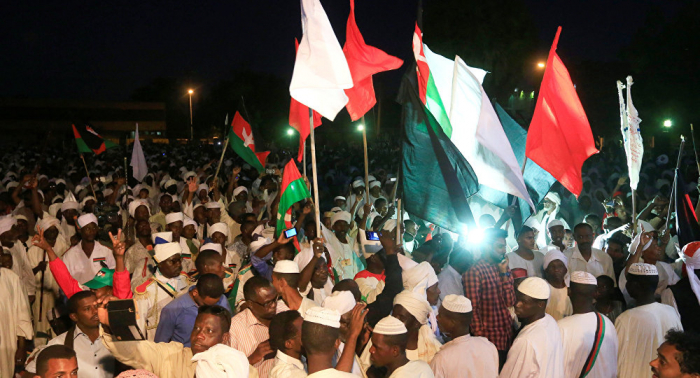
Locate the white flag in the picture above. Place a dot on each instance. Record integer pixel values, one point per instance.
(476, 130)
(138, 160)
(631, 133)
(321, 72)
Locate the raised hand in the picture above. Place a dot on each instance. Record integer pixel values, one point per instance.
(39, 240)
(357, 321)
(118, 245)
(308, 208)
(192, 184)
(318, 247)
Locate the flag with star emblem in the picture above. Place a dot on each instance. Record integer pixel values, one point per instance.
(240, 137)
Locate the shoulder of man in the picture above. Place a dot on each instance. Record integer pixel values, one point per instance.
(143, 288)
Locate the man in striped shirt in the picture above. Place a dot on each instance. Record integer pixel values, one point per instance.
(250, 328)
(489, 286)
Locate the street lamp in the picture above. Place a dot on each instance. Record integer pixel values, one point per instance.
(540, 65)
(190, 92)
(290, 131)
(360, 127)
(668, 123)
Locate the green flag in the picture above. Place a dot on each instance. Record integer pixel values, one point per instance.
(293, 190)
(92, 142)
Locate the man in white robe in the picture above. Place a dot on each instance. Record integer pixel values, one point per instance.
(537, 351)
(342, 246)
(86, 258)
(579, 331)
(464, 355)
(16, 324)
(641, 330)
(389, 342)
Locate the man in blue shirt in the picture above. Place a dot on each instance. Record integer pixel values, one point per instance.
(178, 317)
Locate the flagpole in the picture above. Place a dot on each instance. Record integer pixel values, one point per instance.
(317, 209)
(304, 159)
(364, 142)
(398, 222)
(671, 201)
(88, 176)
(634, 212)
(223, 151)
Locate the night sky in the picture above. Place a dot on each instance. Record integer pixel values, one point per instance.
(105, 50)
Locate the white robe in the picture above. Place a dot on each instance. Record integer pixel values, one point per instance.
(577, 335)
(466, 356)
(20, 265)
(533, 267)
(16, 319)
(51, 290)
(559, 303)
(640, 331)
(343, 256)
(413, 369)
(536, 352)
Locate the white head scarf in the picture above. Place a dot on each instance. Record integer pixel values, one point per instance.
(416, 305)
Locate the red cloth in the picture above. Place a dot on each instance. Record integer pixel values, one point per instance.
(65, 281)
(121, 283)
(363, 61)
(299, 120)
(559, 138)
(366, 274)
(490, 298)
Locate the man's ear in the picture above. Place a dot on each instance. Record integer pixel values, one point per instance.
(73, 317)
(226, 339)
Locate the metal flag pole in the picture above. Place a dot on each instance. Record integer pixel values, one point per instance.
(364, 141)
(671, 200)
(313, 169)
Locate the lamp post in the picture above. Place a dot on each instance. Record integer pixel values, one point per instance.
(190, 92)
(540, 65)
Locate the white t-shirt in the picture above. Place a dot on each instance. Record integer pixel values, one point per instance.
(84, 268)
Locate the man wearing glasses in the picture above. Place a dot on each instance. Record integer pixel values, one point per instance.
(250, 327)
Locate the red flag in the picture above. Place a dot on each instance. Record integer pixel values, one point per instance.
(560, 139)
(299, 119)
(364, 61)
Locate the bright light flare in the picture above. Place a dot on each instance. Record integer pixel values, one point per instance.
(190, 91)
(668, 123)
(290, 131)
(360, 127)
(540, 65)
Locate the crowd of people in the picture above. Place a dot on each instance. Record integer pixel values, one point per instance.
(216, 290)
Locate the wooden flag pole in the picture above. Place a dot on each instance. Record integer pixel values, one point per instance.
(399, 239)
(88, 176)
(364, 142)
(221, 159)
(634, 213)
(671, 200)
(317, 209)
(304, 159)
(41, 292)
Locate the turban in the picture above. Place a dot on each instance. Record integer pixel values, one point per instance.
(212, 247)
(189, 222)
(323, 316)
(135, 205)
(535, 287)
(415, 304)
(554, 197)
(303, 258)
(341, 301)
(643, 227)
(170, 183)
(358, 184)
(218, 227)
(221, 361)
(69, 205)
(212, 205)
(255, 245)
(202, 187)
(162, 237)
(419, 278)
(165, 251)
(691, 258)
(47, 222)
(239, 190)
(86, 219)
(53, 209)
(341, 215)
(554, 254)
(174, 217)
(375, 184)
(339, 198)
